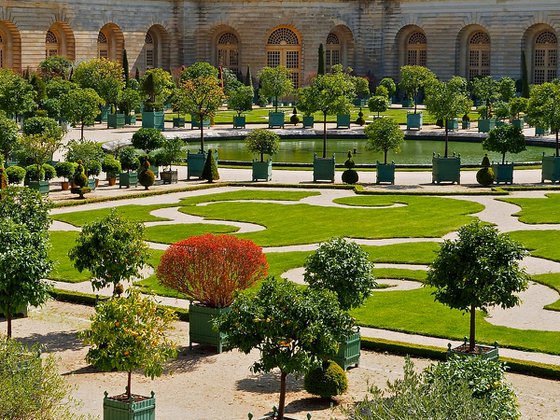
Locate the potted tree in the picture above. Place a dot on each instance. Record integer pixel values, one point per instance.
(307, 103)
(344, 268)
(378, 104)
(262, 141)
(65, 170)
(80, 107)
(413, 80)
(445, 101)
(127, 334)
(209, 269)
(517, 106)
(129, 101)
(275, 82)
(504, 139)
(129, 163)
(384, 134)
(240, 100)
(293, 329)
(477, 270)
(112, 167)
(543, 111)
(156, 87)
(389, 84)
(171, 151)
(148, 140)
(485, 90)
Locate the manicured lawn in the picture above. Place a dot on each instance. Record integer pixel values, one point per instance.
(133, 212)
(249, 194)
(400, 274)
(168, 234)
(61, 242)
(551, 280)
(537, 210)
(408, 253)
(543, 243)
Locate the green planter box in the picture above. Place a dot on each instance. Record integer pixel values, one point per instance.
(487, 352)
(129, 410)
(385, 172)
(414, 121)
(518, 123)
(550, 168)
(155, 170)
(446, 169)
(41, 186)
(153, 119)
(485, 125)
(323, 169)
(276, 119)
(343, 121)
(453, 124)
(201, 329)
(130, 119)
(92, 183)
(195, 122)
(178, 122)
(128, 179)
(239, 122)
(407, 103)
(169, 177)
(500, 123)
(103, 112)
(503, 172)
(349, 351)
(115, 121)
(539, 131)
(465, 124)
(195, 164)
(262, 170)
(308, 121)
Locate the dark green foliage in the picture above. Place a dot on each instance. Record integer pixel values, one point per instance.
(129, 158)
(147, 139)
(210, 170)
(327, 380)
(93, 168)
(384, 134)
(40, 125)
(525, 90)
(360, 120)
(137, 75)
(389, 84)
(15, 174)
(55, 67)
(8, 135)
(34, 173)
(25, 206)
(262, 141)
(146, 177)
(65, 169)
(50, 171)
(80, 178)
(507, 138)
(126, 74)
(378, 104)
(248, 77)
(39, 87)
(3, 178)
(111, 166)
(84, 150)
(241, 99)
(349, 176)
(294, 119)
(321, 60)
(485, 176)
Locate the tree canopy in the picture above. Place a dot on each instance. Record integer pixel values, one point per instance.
(275, 82)
(384, 134)
(80, 107)
(103, 76)
(543, 109)
(505, 139)
(414, 79)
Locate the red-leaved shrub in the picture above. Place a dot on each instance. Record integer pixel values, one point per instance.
(210, 268)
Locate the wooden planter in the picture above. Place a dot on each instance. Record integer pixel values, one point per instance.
(308, 121)
(130, 119)
(540, 131)
(349, 351)
(518, 123)
(169, 177)
(41, 186)
(239, 121)
(128, 179)
(465, 124)
(485, 125)
(503, 172)
(115, 121)
(65, 185)
(385, 172)
(414, 121)
(262, 170)
(112, 180)
(201, 329)
(446, 169)
(484, 352)
(276, 119)
(550, 169)
(343, 121)
(195, 122)
(195, 164)
(178, 122)
(453, 124)
(407, 103)
(103, 112)
(153, 119)
(116, 409)
(92, 183)
(323, 169)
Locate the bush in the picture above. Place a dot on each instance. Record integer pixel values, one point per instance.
(129, 158)
(147, 139)
(350, 176)
(40, 125)
(34, 173)
(111, 166)
(210, 170)
(485, 176)
(262, 141)
(80, 178)
(93, 168)
(50, 171)
(146, 177)
(16, 174)
(65, 169)
(210, 268)
(327, 380)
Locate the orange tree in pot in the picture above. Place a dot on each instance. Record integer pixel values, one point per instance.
(209, 269)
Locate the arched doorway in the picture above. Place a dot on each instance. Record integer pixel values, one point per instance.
(283, 48)
(478, 57)
(110, 42)
(156, 48)
(59, 40)
(227, 51)
(10, 46)
(545, 57)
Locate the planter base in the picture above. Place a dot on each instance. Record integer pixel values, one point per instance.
(138, 408)
(385, 172)
(201, 329)
(550, 169)
(485, 352)
(349, 351)
(262, 170)
(503, 172)
(323, 169)
(446, 169)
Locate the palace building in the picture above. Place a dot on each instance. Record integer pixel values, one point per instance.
(375, 37)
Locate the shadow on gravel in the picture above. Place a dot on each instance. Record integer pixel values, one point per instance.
(189, 360)
(54, 341)
(268, 383)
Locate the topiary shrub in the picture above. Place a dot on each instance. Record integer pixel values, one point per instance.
(65, 169)
(93, 168)
(80, 181)
(360, 120)
(485, 176)
(15, 174)
(111, 166)
(129, 158)
(294, 119)
(50, 171)
(349, 176)
(147, 139)
(210, 170)
(3, 178)
(327, 380)
(34, 173)
(146, 177)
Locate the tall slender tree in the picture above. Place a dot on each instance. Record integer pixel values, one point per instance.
(321, 65)
(126, 71)
(248, 77)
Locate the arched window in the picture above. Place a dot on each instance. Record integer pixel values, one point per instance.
(332, 53)
(545, 57)
(283, 49)
(1, 51)
(228, 52)
(416, 49)
(479, 55)
(102, 46)
(150, 51)
(51, 44)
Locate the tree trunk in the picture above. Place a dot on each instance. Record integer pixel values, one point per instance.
(262, 157)
(82, 131)
(385, 156)
(557, 146)
(446, 136)
(472, 341)
(324, 134)
(9, 320)
(201, 122)
(282, 402)
(503, 158)
(129, 386)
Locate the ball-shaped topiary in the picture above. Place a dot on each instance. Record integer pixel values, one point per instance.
(146, 177)
(147, 139)
(80, 178)
(485, 176)
(34, 173)
(327, 380)
(111, 166)
(294, 119)
(350, 176)
(15, 174)
(50, 171)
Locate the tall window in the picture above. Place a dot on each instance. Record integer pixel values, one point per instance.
(479, 55)
(545, 59)
(51, 45)
(150, 51)
(102, 46)
(416, 49)
(283, 49)
(228, 52)
(332, 53)
(1, 52)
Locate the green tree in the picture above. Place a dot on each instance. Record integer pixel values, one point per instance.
(262, 141)
(229, 81)
(171, 151)
(248, 77)
(446, 101)
(414, 79)
(147, 139)
(275, 82)
(517, 106)
(486, 90)
(390, 85)
(543, 109)
(8, 135)
(55, 67)
(80, 107)
(210, 170)
(129, 100)
(307, 101)
(477, 270)
(16, 94)
(198, 69)
(129, 333)
(125, 68)
(378, 104)
(103, 76)
(321, 60)
(201, 97)
(505, 139)
(85, 151)
(506, 88)
(384, 134)
(241, 99)
(112, 249)
(290, 326)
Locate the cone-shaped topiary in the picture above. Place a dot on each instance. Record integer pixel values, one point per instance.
(327, 380)
(294, 119)
(210, 171)
(360, 120)
(350, 176)
(146, 177)
(485, 176)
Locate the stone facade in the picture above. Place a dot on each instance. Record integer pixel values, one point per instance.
(375, 37)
